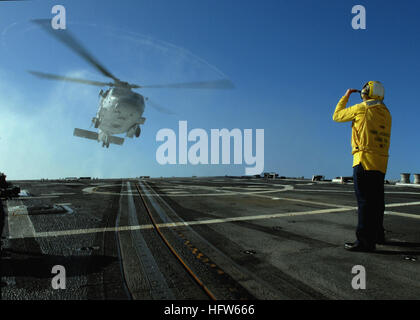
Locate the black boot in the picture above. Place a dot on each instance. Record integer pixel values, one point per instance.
(358, 247)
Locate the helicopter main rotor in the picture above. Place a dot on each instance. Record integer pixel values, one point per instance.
(70, 41)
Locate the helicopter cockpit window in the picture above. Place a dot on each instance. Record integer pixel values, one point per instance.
(103, 93)
(117, 91)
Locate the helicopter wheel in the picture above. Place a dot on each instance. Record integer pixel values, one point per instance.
(138, 131)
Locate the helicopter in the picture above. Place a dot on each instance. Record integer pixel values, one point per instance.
(120, 108)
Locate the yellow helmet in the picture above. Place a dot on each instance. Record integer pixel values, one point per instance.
(374, 90)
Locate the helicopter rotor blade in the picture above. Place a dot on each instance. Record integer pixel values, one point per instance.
(70, 41)
(70, 79)
(159, 107)
(216, 84)
(65, 37)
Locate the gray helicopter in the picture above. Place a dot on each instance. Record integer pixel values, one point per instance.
(120, 108)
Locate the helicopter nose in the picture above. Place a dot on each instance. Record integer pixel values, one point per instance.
(129, 101)
(130, 104)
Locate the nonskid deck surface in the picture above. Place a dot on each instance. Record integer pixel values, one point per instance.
(219, 237)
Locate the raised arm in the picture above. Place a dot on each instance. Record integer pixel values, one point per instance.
(343, 114)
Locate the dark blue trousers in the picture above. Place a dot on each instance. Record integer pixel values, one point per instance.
(369, 188)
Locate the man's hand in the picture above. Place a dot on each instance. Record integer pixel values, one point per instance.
(350, 91)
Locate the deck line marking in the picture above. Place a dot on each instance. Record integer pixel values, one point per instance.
(157, 284)
(120, 250)
(57, 193)
(39, 197)
(187, 193)
(392, 205)
(325, 190)
(303, 201)
(175, 192)
(224, 261)
(352, 191)
(403, 214)
(180, 224)
(220, 220)
(18, 220)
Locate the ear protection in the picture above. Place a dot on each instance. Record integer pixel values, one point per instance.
(374, 90)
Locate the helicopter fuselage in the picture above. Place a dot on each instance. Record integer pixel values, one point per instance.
(120, 111)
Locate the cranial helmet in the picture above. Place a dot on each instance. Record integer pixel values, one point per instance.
(374, 90)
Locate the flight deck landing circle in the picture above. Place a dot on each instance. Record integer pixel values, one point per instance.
(185, 191)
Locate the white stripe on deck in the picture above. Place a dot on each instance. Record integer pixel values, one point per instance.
(391, 205)
(187, 223)
(57, 194)
(18, 220)
(402, 214)
(33, 234)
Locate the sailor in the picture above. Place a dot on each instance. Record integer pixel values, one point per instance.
(3, 183)
(371, 134)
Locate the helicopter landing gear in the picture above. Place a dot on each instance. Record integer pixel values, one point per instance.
(105, 139)
(95, 122)
(134, 130)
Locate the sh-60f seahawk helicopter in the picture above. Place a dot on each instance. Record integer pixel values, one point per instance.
(120, 109)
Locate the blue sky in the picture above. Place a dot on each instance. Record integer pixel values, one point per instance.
(291, 61)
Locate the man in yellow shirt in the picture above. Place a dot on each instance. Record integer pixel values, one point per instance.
(371, 134)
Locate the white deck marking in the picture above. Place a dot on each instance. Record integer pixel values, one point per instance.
(187, 193)
(303, 201)
(352, 191)
(391, 205)
(402, 214)
(40, 197)
(180, 224)
(158, 284)
(57, 194)
(325, 190)
(23, 193)
(24, 228)
(18, 220)
(33, 234)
